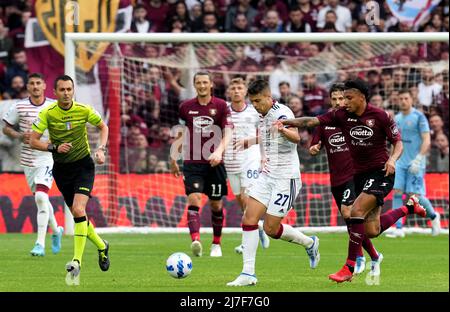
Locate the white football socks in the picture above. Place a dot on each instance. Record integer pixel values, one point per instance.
(41, 200)
(294, 236)
(250, 241)
(51, 218)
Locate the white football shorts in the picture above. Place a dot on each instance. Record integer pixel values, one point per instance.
(39, 175)
(277, 195)
(245, 178)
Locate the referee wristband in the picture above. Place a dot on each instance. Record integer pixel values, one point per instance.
(52, 148)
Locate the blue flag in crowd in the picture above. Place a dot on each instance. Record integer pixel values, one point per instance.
(412, 11)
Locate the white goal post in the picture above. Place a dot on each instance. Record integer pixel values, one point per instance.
(72, 39)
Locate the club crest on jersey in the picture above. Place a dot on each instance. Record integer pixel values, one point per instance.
(394, 130)
(370, 122)
(213, 112)
(69, 126)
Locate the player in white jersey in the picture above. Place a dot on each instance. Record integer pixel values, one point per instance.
(37, 165)
(243, 165)
(277, 187)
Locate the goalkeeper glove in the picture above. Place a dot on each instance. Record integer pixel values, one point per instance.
(416, 164)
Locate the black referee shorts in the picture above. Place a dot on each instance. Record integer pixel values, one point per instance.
(75, 177)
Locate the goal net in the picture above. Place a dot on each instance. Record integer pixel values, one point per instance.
(142, 81)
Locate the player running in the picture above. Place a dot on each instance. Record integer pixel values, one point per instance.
(366, 128)
(341, 171)
(410, 168)
(206, 117)
(73, 169)
(243, 166)
(278, 185)
(37, 165)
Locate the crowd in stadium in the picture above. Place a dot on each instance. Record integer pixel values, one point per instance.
(152, 96)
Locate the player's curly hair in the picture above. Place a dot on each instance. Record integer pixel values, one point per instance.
(359, 85)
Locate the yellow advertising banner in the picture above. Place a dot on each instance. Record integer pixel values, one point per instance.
(56, 17)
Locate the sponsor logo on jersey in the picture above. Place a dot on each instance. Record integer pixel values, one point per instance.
(213, 112)
(370, 122)
(330, 128)
(361, 133)
(68, 125)
(337, 139)
(193, 112)
(203, 122)
(351, 119)
(282, 117)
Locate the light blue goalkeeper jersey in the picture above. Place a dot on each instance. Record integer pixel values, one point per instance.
(411, 126)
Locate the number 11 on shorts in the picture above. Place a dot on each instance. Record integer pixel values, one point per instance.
(219, 190)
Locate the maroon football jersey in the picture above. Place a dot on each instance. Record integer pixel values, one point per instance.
(339, 159)
(206, 124)
(365, 135)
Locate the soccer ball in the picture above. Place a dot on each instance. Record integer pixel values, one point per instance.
(179, 265)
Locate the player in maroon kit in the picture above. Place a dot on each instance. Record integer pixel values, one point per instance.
(341, 171)
(366, 129)
(208, 122)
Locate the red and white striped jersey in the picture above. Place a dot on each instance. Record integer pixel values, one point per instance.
(23, 113)
(245, 124)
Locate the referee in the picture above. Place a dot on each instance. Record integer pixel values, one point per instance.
(73, 168)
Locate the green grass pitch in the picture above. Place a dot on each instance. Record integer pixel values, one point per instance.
(414, 263)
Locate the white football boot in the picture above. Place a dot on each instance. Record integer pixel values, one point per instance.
(244, 279)
(216, 251)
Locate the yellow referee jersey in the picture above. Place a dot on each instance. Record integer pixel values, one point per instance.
(68, 126)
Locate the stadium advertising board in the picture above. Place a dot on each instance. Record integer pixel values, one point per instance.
(158, 200)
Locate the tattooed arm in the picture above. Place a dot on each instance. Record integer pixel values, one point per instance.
(302, 122)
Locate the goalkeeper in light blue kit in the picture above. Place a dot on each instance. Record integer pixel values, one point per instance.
(410, 168)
